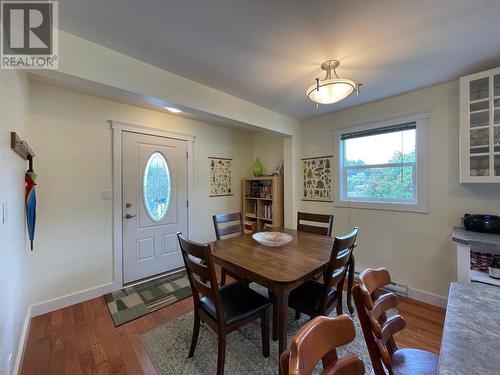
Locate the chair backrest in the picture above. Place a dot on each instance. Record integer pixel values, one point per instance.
(201, 272)
(343, 247)
(315, 218)
(372, 303)
(318, 340)
(228, 224)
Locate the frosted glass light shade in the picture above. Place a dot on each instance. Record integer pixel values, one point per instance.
(331, 90)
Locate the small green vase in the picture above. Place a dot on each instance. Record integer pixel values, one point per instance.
(257, 168)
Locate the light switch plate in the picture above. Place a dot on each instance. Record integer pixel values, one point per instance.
(106, 195)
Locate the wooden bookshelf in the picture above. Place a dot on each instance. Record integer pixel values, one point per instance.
(262, 202)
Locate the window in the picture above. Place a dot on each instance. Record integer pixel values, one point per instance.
(383, 165)
(156, 187)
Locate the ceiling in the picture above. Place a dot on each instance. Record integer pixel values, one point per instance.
(269, 52)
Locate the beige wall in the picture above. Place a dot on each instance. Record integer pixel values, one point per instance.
(416, 248)
(72, 135)
(14, 290)
(269, 149)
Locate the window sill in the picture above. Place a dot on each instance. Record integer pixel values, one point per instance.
(385, 206)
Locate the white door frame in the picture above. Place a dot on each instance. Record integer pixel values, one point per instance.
(118, 129)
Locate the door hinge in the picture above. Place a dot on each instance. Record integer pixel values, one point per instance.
(187, 204)
(187, 153)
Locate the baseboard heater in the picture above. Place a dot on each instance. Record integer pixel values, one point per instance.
(396, 287)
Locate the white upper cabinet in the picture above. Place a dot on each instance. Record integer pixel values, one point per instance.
(480, 127)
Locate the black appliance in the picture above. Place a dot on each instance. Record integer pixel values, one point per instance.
(482, 223)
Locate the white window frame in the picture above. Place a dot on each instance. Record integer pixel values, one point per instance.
(420, 177)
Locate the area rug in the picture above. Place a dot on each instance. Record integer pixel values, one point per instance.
(133, 302)
(168, 347)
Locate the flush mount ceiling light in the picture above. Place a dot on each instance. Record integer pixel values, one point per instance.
(331, 90)
(173, 110)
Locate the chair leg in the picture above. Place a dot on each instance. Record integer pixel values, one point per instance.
(196, 333)
(297, 314)
(350, 282)
(339, 306)
(264, 325)
(222, 277)
(221, 353)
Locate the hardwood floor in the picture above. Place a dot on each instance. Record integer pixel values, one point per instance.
(81, 339)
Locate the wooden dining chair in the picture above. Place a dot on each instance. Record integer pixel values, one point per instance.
(372, 303)
(321, 219)
(224, 309)
(326, 231)
(318, 340)
(225, 225)
(315, 298)
(316, 224)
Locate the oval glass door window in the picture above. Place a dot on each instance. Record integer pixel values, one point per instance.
(157, 187)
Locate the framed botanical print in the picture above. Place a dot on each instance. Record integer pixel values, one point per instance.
(317, 179)
(220, 177)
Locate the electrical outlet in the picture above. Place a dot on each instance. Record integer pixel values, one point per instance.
(106, 195)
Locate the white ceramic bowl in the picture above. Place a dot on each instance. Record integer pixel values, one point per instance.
(272, 239)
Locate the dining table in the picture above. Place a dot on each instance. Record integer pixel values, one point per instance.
(279, 269)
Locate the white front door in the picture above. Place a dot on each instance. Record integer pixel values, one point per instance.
(154, 204)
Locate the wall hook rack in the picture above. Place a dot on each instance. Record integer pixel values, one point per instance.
(22, 148)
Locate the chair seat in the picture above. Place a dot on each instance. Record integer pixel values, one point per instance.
(414, 361)
(238, 302)
(307, 297)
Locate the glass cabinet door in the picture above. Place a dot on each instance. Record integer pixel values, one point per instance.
(479, 127)
(496, 125)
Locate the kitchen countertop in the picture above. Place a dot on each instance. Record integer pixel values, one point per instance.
(462, 235)
(471, 337)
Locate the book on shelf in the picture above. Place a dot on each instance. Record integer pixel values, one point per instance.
(250, 226)
(268, 211)
(261, 190)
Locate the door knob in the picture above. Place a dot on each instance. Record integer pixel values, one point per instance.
(128, 216)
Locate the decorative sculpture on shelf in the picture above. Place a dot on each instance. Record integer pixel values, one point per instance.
(257, 168)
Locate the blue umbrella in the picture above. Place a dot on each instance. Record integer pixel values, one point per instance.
(30, 179)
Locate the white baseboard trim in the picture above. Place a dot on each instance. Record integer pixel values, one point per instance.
(427, 297)
(22, 342)
(419, 295)
(71, 299)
